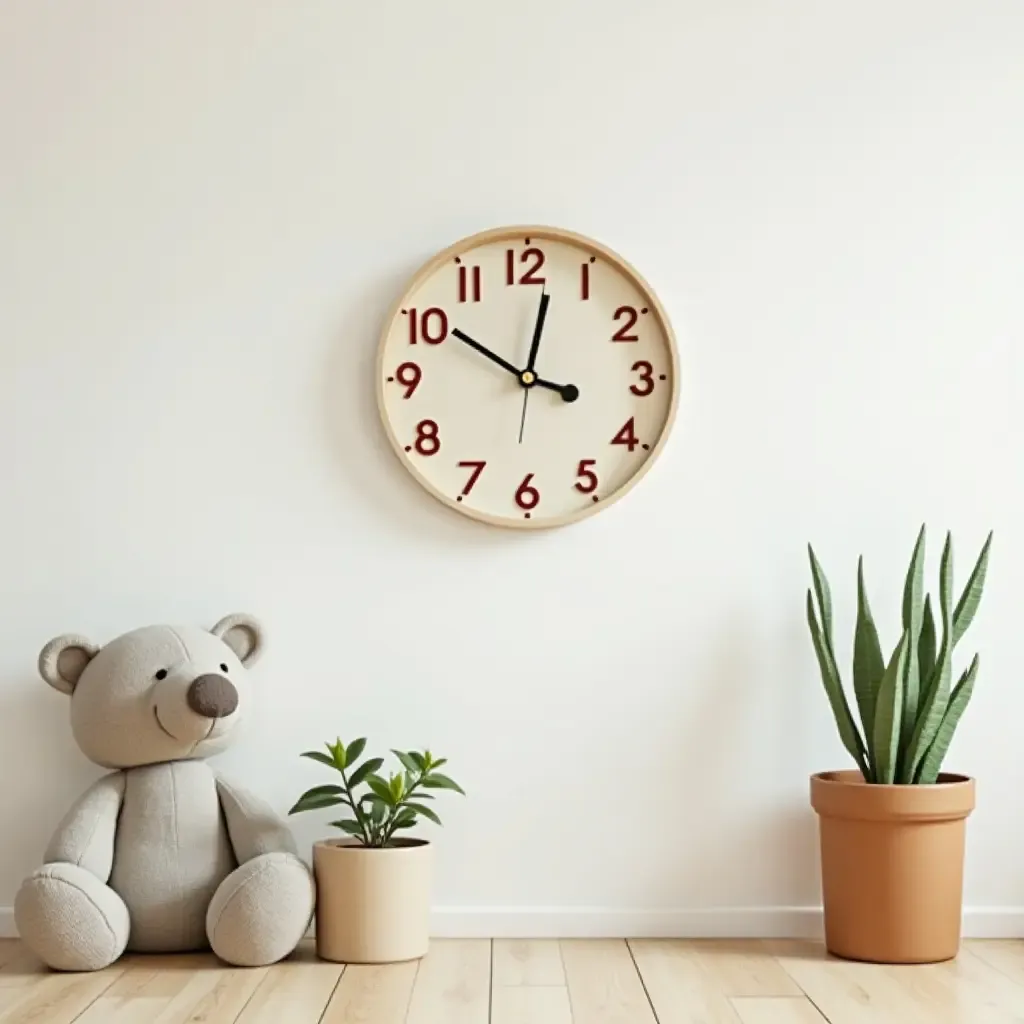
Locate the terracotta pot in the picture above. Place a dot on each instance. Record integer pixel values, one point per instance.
(373, 905)
(892, 862)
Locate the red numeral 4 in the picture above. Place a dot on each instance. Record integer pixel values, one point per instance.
(585, 473)
(627, 435)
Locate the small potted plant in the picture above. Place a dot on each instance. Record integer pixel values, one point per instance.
(373, 885)
(892, 831)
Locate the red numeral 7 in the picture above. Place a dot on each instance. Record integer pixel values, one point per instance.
(477, 467)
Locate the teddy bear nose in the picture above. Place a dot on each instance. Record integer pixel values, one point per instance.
(212, 696)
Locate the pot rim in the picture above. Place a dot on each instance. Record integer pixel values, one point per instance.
(403, 845)
(852, 777)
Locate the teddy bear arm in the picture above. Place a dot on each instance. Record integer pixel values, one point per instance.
(253, 826)
(85, 836)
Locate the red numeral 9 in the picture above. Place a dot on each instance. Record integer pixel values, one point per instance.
(427, 440)
(431, 325)
(527, 497)
(623, 333)
(646, 384)
(584, 472)
(409, 376)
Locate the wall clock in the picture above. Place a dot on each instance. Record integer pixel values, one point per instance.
(528, 377)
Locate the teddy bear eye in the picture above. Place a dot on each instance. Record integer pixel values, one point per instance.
(223, 667)
(162, 674)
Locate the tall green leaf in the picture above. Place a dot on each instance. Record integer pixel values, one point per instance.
(971, 596)
(833, 688)
(928, 773)
(425, 811)
(349, 826)
(888, 711)
(408, 761)
(868, 663)
(926, 644)
(824, 595)
(936, 698)
(381, 790)
(355, 748)
(369, 766)
(913, 615)
(306, 802)
(435, 780)
(316, 755)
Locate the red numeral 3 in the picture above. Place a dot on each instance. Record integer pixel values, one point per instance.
(646, 372)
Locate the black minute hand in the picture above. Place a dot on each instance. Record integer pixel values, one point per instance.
(537, 331)
(493, 356)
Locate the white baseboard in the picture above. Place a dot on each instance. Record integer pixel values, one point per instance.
(609, 922)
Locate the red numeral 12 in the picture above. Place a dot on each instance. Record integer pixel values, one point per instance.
(529, 276)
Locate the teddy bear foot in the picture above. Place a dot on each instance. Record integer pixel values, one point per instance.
(261, 911)
(70, 919)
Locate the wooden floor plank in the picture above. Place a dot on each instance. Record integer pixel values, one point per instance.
(57, 998)
(777, 1010)
(21, 968)
(528, 962)
(9, 948)
(679, 985)
(743, 968)
(295, 991)
(453, 985)
(523, 1004)
(372, 995)
(604, 987)
(1005, 955)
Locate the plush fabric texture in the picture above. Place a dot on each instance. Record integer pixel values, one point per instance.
(162, 855)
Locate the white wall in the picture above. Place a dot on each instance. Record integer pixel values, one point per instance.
(207, 209)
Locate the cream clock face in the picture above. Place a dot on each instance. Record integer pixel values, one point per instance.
(528, 377)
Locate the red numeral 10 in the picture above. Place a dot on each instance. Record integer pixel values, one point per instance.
(431, 325)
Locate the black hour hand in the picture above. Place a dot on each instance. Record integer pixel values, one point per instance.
(569, 392)
(493, 356)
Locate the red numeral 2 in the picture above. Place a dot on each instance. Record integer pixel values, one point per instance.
(469, 284)
(432, 325)
(623, 333)
(478, 468)
(427, 440)
(646, 383)
(585, 473)
(528, 276)
(626, 435)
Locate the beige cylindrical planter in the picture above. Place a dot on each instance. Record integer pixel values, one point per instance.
(892, 864)
(373, 905)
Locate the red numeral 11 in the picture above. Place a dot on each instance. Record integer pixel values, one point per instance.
(464, 284)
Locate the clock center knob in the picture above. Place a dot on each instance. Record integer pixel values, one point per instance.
(527, 378)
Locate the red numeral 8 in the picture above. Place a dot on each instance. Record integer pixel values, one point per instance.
(427, 441)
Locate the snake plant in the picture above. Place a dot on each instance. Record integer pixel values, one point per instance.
(908, 710)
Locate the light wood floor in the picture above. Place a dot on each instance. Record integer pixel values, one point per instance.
(477, 981)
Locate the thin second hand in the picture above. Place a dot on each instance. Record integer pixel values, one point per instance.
(522, 421)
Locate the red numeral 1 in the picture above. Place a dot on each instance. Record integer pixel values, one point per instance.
(585, 282)
(584, 472)
(626, 435)
(464, 284)
(478, 468)
(432, 325)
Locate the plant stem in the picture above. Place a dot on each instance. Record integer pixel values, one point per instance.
(354, 804)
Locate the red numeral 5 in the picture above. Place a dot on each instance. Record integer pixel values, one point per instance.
(585, 473)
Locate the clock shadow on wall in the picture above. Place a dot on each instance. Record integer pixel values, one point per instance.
(525, 378)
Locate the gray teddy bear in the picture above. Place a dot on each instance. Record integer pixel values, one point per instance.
(162, 855)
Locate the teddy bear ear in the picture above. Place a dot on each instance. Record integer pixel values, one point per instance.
(62, 661)
(243, 634)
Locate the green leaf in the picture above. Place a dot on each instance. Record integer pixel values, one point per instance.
(355, 748)
(365, 769)
(913, 616)
(425, 811)
(315, 755)
(380, 789)
(407, 761)
(868, 663)
(935, 700)
(340, 756)
(926, 645)
(435, 780)
(966, 607)
(888, 710)
(824, 595)
(315, 803)
(378, 810)
(404, 819)
(397, 787)
(349, 826)
(958, 701)
(440, 761)
(833, 688)
(419, 760)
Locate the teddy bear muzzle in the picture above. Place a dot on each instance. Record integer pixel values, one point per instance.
(212, 696)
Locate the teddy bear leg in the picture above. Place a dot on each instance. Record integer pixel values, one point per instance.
(70, 919)
(261, 910)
